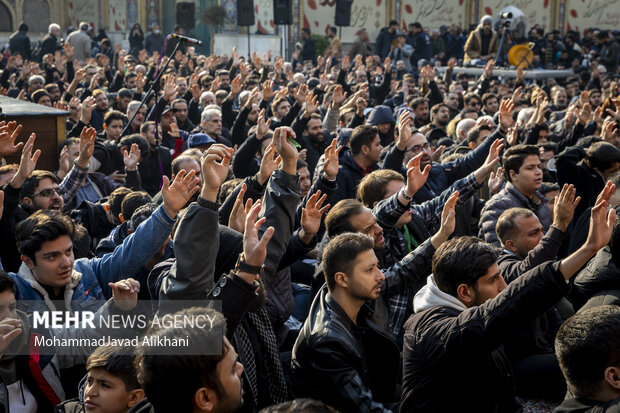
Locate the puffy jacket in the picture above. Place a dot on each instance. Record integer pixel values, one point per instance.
(510, 197)
(453, 359)
(90, 278)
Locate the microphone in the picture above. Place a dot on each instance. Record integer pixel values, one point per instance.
(186, 39)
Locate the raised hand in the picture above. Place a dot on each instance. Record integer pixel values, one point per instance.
(312, 104)
(505, 114)
(311, 216)
(254, 248)
(235, 86)
(86, 110)
(488, 68)
(338, 97)
(64, 165)
(132, 158)
(125, 293)
(330, 167)
(177, 194)
(564, 207)
(268, 92)
(496, 179)
(170, 88)
(601, 221)
(239, 213)
(252, 98)
(345, 63)
(404, 130)
(282, 140)
(489, 164)
(8, 133)
(215, 165)
(87, 146)
(268, 164)
(517, 95)
(27, 163)
(174, 130)
(300, 94)
(448, 221)
(416, 178)
(262, 126)
(584, 114)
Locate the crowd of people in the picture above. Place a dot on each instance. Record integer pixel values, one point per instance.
(379, 237)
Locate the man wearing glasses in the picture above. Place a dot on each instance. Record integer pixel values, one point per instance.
(443, 175)
(32, 190)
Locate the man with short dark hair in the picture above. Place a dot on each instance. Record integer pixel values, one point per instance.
(522, 171)
(308, 51)
(588, 348)
(345, 354)
(468, 309)
(362, 159)
(200, 382)
(385, 38)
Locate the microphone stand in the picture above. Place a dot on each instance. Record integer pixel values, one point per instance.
(154, 86)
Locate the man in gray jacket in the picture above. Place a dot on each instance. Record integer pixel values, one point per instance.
(524, 175)
(81, 43)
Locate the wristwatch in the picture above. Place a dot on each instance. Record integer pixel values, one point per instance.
(242, 266)
(403, 192)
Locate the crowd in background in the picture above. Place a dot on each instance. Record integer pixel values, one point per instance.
(381, 237)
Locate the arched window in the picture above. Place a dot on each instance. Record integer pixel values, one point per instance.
(6, 23)
(38, 12)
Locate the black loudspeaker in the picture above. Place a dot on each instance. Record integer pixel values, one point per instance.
(282, 12)
(245, 12)
(343, 12)
(185, 15)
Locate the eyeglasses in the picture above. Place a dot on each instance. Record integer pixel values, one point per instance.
(46, 193)
(474, 103)
(418, 148)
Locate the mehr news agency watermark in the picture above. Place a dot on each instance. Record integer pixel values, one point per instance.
(176, 327)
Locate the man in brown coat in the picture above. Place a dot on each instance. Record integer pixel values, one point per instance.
(482, 43)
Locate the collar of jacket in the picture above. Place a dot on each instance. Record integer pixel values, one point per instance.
(431, 296)
(27, 275)
(524, 199)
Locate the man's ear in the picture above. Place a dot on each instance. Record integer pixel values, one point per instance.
(134, 397)
(510, 246)
(612, 377)
(341, 280)
(471, 145)
(466, 295)
(28, 261)
(28, 201)
(365, 149)
(205, 399)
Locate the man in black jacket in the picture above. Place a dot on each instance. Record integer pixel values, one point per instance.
(308, 50)
(467, 307)
(588, 347)
(345, 354)
(530, 349)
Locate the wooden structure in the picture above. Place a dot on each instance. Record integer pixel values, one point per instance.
(48, 123)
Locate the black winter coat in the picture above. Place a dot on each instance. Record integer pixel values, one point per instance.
(453, 360)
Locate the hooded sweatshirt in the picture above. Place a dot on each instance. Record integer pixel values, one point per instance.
(431, 296)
